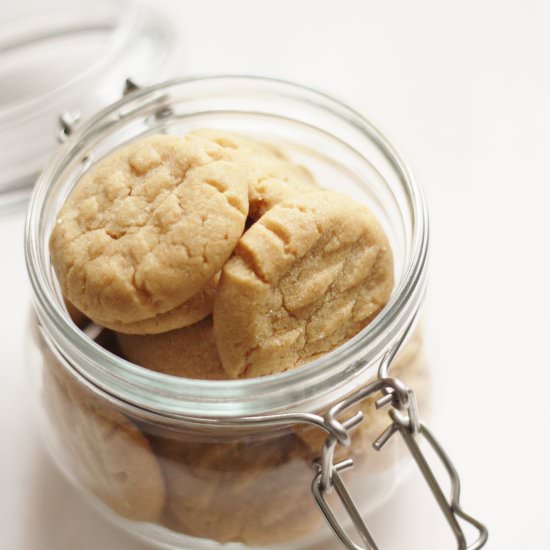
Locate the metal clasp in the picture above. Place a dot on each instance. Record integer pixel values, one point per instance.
(68, 121)
(405, 421)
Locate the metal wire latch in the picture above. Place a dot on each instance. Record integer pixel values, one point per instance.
(405, 421)
(69, 120)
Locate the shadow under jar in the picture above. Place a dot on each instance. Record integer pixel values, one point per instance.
(194, 464)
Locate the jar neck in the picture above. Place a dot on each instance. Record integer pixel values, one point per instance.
(309, 388)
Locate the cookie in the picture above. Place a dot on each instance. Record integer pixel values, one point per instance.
(101, 448)
(147, 227)
(273, 178)
(192, 311)
(189, 352)
(411, 366)
(311, 273)
(274, 181)
(240, 144)
(256, 492)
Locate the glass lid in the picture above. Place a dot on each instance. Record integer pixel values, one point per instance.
(65, 58)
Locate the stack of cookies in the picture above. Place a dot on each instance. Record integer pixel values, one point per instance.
(225, 241)
(210, 256)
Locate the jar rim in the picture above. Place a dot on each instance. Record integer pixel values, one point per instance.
(176, 396)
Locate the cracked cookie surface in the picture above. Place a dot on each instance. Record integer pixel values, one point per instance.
(147, 227)
(189, 351)
(310, 274)
(192, 311)
(273, 177)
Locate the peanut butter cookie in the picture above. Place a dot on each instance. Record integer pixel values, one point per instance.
(189, 352)
(193, 310)
(311, 273)
(273, 178)
(255, 492)
(147, 227)
(108, 454)
(240, 144)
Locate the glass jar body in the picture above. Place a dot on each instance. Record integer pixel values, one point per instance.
(184, 485)
(188, 464)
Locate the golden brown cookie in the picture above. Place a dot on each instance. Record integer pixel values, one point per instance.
(240, 144)
(245, 490)
(273, 178)
(189, 352)
(274, 181)
(411, 366)
(103, 450)
(192, 311)
(311, 273)
(147, 227)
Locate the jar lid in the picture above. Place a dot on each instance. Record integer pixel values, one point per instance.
(61, 56)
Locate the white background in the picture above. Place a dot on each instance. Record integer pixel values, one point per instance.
(463, 89)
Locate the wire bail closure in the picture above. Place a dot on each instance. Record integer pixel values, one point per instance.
(405, 421)
(70, 120)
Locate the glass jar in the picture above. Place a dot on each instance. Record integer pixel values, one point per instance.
(101, 42)
(194, 464)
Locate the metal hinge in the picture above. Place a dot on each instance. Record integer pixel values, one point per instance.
(405, 421)
(69, 120)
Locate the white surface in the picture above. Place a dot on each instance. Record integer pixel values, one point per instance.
(462, 88)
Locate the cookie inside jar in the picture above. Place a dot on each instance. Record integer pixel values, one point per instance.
(213, 256)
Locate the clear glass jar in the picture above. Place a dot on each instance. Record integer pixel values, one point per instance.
(101, 42)
(193, 464)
